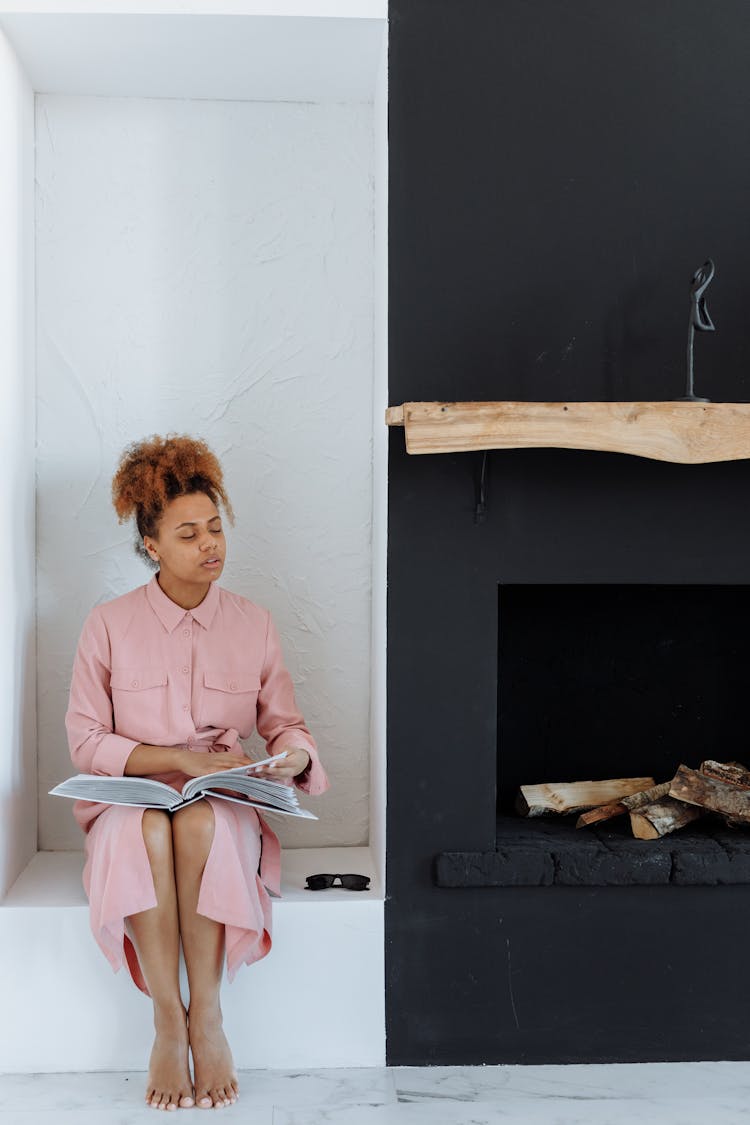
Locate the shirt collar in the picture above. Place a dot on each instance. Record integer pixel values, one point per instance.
(171, 614)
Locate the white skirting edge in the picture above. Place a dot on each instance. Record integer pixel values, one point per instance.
(316, 1000)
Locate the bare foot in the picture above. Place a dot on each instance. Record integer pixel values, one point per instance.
(215, 1077)
(169, 1085)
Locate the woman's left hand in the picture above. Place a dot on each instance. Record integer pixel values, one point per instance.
(296, 762)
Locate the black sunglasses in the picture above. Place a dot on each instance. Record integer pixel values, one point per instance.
(349, 882)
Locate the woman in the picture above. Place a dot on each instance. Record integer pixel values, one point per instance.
(166, 679)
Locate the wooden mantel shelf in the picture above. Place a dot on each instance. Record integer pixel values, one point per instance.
(690, 433)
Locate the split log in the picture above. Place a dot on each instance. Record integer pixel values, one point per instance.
(695, 788)
(627, 804)
(575, 796)
(662, 817)
(734, 773)
(601, 813)
(646, 796)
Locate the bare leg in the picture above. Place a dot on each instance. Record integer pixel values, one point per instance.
(156, 937)
(203, 945)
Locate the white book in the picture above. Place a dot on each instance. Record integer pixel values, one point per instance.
(145, 792)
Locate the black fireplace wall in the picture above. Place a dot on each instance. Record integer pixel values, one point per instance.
(558, 170)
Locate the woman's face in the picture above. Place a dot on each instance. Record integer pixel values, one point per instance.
(189, 536)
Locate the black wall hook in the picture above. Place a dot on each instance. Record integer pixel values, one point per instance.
(480, 490)
(699, 319)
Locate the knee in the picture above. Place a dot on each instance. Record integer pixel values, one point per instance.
(193, 831)
(157, 834)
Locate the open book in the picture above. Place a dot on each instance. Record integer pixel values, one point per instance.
(261, 792)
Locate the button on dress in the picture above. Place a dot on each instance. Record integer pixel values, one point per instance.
(147, 670)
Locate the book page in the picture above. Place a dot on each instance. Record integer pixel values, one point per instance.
(298, 811)
(143, 791)
(198, 784)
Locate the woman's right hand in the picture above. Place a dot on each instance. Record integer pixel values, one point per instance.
(199, 763)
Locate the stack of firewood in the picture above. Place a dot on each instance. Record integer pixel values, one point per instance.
(654, 810)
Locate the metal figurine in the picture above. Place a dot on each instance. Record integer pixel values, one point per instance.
(699, 319)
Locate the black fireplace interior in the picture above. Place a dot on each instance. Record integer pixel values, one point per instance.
(606, 681)
(614, 680)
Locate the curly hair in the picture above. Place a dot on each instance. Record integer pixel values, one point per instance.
(155, 470)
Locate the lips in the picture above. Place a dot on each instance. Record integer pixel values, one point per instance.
(211, 562)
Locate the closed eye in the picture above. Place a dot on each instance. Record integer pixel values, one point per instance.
(214, 531)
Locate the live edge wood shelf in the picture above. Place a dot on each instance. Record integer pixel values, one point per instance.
(686, 432)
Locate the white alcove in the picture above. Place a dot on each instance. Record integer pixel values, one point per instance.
(193, 214)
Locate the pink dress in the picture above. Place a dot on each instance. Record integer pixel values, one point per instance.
(147, 670)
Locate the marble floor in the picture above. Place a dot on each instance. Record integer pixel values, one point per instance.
(647, 1094)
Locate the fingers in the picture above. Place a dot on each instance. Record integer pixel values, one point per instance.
(215, 763)
(218, 762)
(225, 760)
(284, 767)
(275, 771)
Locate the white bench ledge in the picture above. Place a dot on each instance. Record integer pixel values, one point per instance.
(320, 990)
(54, 878)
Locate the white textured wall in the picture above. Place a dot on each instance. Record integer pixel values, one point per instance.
(207, 268)
(17, 633)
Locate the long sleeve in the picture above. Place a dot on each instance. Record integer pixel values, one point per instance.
(279, 721)
(94, 747)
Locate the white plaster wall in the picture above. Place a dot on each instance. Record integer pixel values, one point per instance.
(206, 267)
(17, 626)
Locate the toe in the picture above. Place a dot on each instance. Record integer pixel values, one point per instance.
(186, 1101)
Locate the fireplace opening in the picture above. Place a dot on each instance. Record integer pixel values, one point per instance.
(622, 680)
(608, 681)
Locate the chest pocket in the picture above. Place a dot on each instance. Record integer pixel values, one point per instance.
(230, 698)
(137, 679)
(139, 702)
